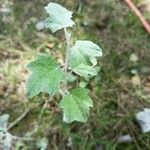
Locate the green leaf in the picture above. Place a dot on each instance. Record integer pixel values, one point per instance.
(46, 76)
(83, 58)
(59, 17)
(85, 70)
(76, 105)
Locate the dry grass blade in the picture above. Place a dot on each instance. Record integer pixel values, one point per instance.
(18, 119)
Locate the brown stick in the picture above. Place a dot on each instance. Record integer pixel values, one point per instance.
(139, 14)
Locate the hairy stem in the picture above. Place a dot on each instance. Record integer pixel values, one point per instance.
(67, 37)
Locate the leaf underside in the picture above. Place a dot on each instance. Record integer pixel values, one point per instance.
(76, 105)
(59, 17)
(83, 58)
(46, 76)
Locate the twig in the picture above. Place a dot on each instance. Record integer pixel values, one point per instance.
(22, 138)
(139, 14)
(18, 119)
(41, 46)
(44, 107)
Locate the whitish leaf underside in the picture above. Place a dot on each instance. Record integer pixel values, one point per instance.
(59, 17)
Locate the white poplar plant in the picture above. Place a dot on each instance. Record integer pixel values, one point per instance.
(47, 76)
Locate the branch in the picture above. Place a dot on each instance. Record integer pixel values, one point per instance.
(139, 14)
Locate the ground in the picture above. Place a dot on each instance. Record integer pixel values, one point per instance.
(120, 90)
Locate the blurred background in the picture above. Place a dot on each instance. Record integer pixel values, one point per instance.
(121, 89)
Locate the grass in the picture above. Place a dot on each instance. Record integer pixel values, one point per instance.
(116, 102)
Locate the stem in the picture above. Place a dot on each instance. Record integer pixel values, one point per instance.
(67, 37)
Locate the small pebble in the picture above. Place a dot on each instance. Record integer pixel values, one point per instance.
(143, 118)
(125, 139)
(40, 25)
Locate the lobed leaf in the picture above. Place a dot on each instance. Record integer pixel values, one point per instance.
(59, 17)
(83, 58)
(46, 76)
(76, 105)
(85, 70)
